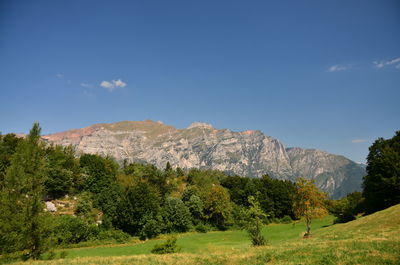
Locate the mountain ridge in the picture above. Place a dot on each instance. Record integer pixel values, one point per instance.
(248, 153)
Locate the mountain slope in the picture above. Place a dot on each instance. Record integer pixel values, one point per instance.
(335, 174)
(248, 153)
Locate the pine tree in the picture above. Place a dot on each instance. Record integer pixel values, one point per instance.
(21, 217)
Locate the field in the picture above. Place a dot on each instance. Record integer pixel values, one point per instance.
(373, 239)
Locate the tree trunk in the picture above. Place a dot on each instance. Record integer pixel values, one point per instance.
(308, 224)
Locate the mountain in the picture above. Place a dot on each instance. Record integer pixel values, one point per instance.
(334, 174)
(248, 153)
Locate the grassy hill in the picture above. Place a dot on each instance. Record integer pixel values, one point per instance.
(373, 239)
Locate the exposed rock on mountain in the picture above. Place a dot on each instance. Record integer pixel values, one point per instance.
(334, 174)
(248, 153)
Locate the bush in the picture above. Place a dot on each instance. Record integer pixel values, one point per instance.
(240, 216)
(347, 208)
(115, 235)
(201, 228)
(63, 254)
(151, 228)
(168, 246)
(72, 230)
(84, 208)
(273, 220)
(286, 220)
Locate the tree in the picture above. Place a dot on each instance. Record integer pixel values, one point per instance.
(138, 209)
(254, 222)
(84, 208)
(22, 224)
(239, 188)
(8, 145)
(168, 167)
(176, 215)
(195, 206)
(308, 202)
(63, 169)
(347, 208)
(278, 193)
(381, 186)
(191, 198)
(217, 207)
(100, 172)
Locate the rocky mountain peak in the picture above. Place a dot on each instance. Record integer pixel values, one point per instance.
(249, 153)
(200, 125)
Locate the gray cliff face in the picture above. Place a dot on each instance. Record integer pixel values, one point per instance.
(334, 174)
(248, 153)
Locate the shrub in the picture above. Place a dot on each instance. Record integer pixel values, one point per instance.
(151, 228)
(116, 235)
(286, 220)
(72, 230)
(201, 228)
(84, 208)
(168, 246)
(63, 254)
(273, 220)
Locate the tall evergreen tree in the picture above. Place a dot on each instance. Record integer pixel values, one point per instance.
(21, 217)
(8, 144)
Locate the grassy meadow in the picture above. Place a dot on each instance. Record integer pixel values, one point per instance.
(373, 239)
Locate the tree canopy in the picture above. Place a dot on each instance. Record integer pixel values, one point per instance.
(381, 186)
(308, 202)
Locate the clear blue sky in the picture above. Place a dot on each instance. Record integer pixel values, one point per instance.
(314, 74)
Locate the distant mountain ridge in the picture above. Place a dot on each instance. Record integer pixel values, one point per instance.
(248, 153)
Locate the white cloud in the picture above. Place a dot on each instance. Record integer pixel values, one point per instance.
(338, 68)
(86, 85)
(108, 85)
(60, 76)
(119, 83)
(111, 86)
(359, 141)
(382, 64)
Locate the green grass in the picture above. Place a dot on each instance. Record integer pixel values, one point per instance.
(373, 239)
(205, 243)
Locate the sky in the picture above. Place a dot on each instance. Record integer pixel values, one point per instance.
(313, 74)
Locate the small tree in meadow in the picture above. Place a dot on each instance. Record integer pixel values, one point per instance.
(308, 202)
(254, 223)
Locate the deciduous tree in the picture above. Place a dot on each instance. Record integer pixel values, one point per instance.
(308, 202)
(217, 207)
(382, 183)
